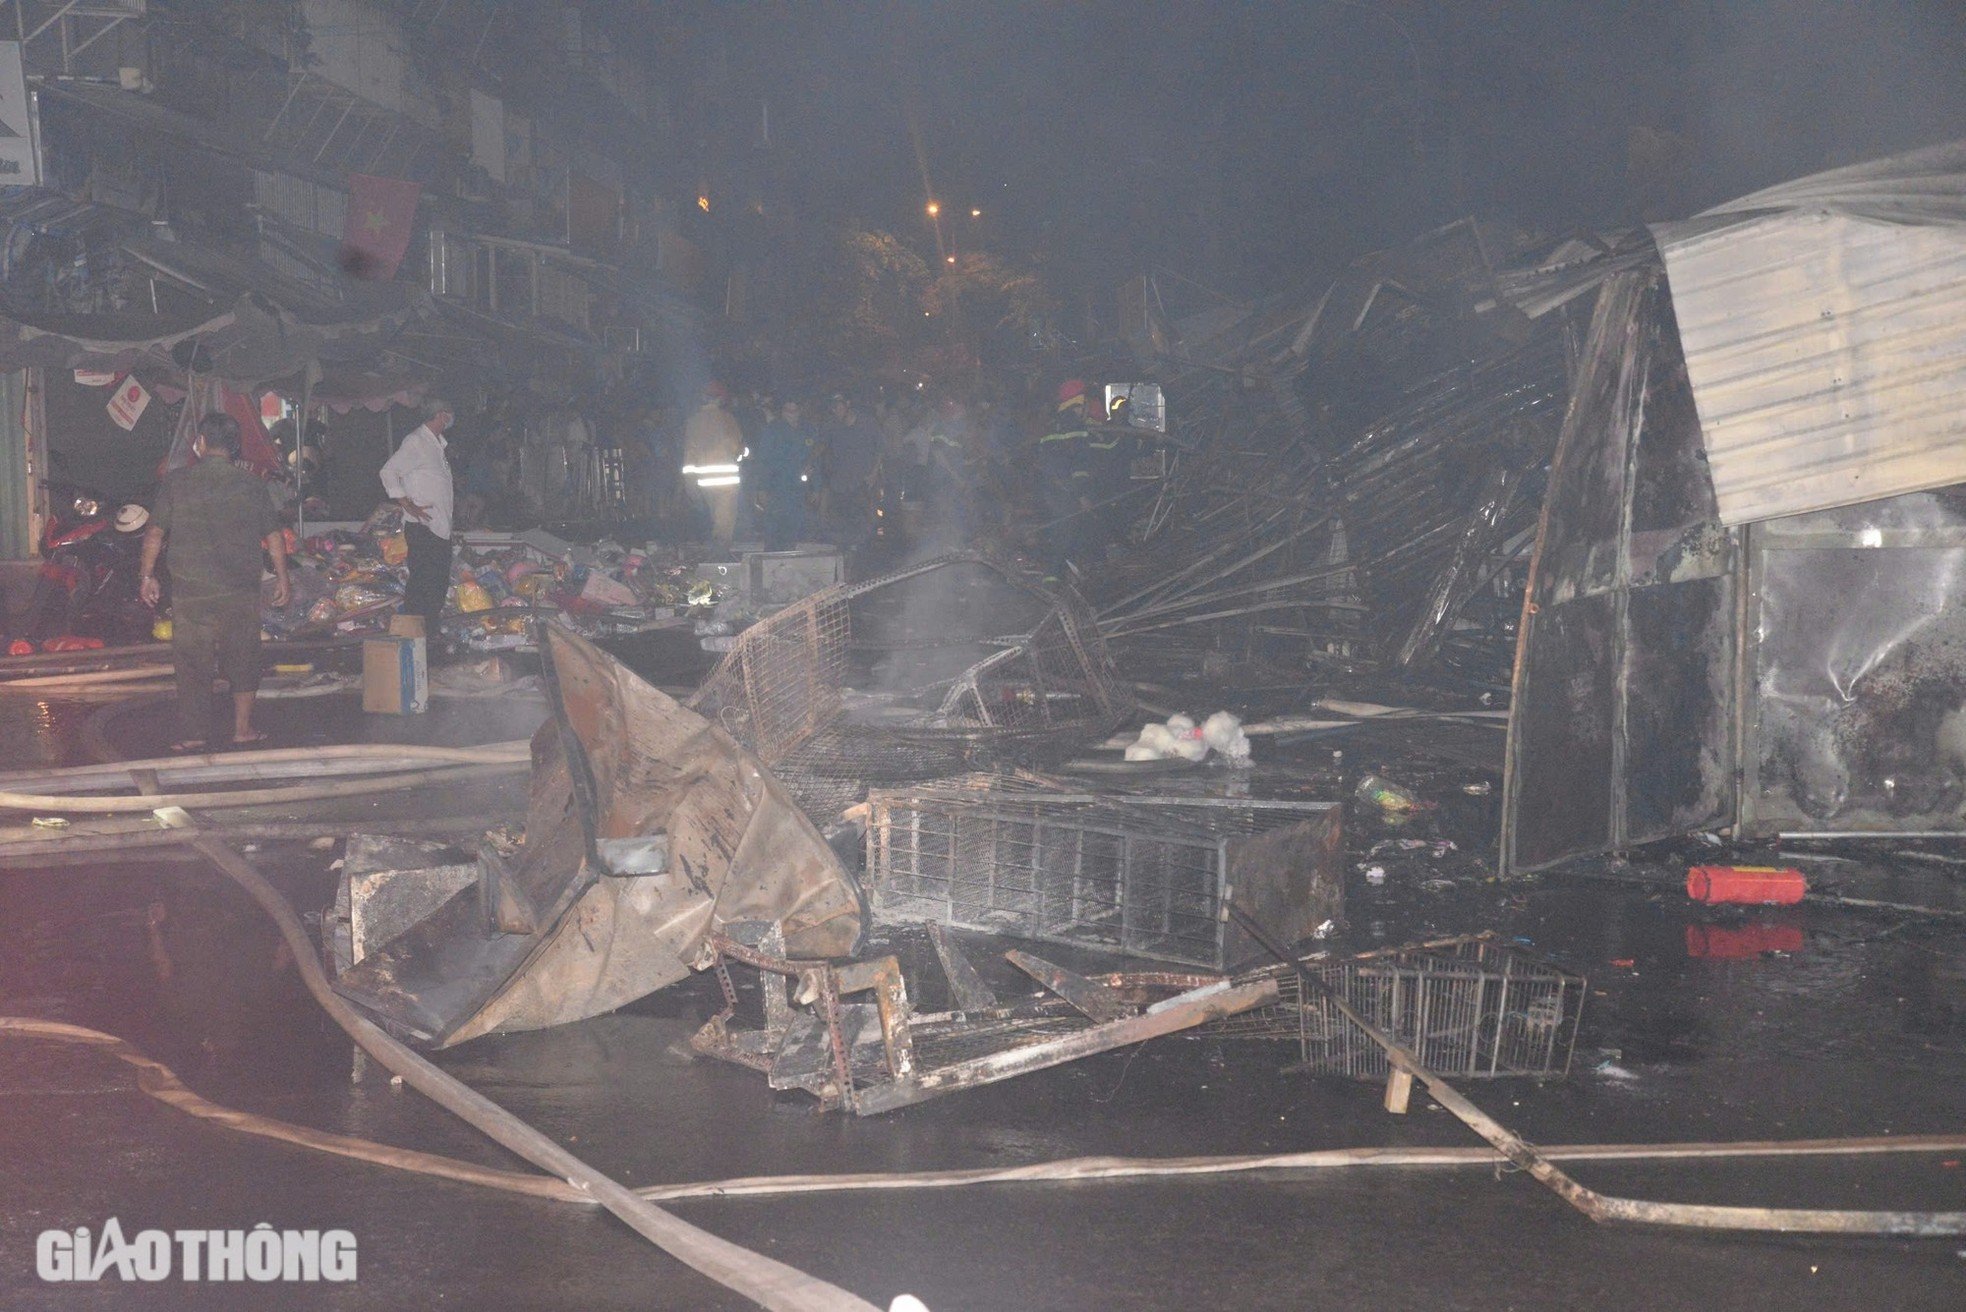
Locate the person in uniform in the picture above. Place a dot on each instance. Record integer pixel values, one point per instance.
(214, 516)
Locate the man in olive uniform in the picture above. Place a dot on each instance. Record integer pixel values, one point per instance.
(216, 516)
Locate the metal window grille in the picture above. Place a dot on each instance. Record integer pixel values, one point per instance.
(1468, 1008)
(1147, 876)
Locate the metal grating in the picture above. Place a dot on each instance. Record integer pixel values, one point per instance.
(1147, 876)
(1468, 1008)
(781, 683)
(1059, 677)
(780, 689)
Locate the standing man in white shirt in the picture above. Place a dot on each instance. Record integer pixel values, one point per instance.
(418, 476)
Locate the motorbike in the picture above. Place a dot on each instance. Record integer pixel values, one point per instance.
(91, 562)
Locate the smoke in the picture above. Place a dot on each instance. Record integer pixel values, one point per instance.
(1778, 89)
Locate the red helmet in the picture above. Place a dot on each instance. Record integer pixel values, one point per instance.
(1071, 392)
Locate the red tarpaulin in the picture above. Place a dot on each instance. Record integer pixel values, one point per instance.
(256, 449)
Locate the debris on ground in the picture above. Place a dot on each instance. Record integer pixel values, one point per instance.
(1143, 875)
(876, 1056)
(648, 829)
(1388, 798)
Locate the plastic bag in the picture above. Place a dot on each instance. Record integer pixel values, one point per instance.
(604, 591)
(471, 598)
(350, 596)
(1388, 797)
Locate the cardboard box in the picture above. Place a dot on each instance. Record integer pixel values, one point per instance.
(406, 626)
(779, 578)
(395, 676)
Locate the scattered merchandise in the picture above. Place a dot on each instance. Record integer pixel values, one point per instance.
(1389, 799)
(1181, 738)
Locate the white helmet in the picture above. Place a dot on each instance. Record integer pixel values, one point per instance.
(131, 518)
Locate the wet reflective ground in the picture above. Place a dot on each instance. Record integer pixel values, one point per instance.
(1796, 1023)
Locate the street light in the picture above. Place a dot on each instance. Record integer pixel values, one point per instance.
(934, 208)
(976, 214)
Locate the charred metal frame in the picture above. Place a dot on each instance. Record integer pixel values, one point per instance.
(1150, 876)
(873, 1058)
(1804, 676)
(1472, 1007)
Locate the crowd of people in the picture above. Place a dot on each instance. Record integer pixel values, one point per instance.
(915, 469)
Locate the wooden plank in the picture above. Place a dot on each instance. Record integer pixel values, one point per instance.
(1399, 1091)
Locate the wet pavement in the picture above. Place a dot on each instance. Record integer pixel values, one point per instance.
(1827, 1021)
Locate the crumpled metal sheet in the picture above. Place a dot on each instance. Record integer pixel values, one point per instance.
(1622, 711)
(619, 761)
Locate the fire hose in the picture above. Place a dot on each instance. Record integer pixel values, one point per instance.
(1595, 1205)
(775, 1285)
(160, 1082)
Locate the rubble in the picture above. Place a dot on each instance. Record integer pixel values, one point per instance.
(874, 1057)
(648, 829)
(656, 846)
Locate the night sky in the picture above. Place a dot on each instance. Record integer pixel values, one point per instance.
(1248, 145)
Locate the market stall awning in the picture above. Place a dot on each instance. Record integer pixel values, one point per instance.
(253, 342)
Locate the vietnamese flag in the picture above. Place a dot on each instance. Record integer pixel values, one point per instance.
(376, 229)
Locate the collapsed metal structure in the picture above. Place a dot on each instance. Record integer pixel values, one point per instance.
(1692, 495)
(1745, 608)
(913, 675)
(1688, 658)
(648, 829)
(1355, 482)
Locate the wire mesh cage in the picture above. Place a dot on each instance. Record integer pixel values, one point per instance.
(1469, 1008)
(1059, 677)
(781, 683)
(783, 689)
(1146, 876)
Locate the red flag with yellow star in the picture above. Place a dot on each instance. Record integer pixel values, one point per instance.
(376, 229)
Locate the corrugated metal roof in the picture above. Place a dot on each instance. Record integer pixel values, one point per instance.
(1824, 327)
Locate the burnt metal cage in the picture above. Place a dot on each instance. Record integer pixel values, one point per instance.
(781, 683)
(786, 678)
(1468, 1008)
(787, 690)
(1146, 876)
